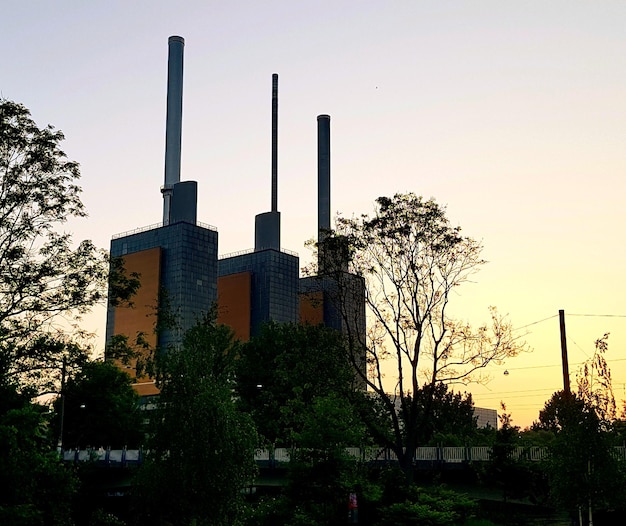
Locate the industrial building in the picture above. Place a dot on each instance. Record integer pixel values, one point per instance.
(260, 286)
(182, 277)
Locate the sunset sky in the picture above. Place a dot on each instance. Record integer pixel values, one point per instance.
(513, 114)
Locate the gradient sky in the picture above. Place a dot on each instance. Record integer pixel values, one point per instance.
(511, 113)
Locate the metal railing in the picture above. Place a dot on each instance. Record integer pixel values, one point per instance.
(154, 226)
(247, 251)
(277, 456)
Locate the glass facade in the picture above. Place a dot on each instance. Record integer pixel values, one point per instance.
(343, 301)
(188, 287)
(274, 284)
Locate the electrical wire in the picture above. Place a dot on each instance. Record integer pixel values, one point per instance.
(535, 322)
(598, 315)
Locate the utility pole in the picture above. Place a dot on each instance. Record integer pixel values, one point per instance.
(62, 416)
(566, 386)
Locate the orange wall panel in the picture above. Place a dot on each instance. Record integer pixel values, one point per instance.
(140, 317)
(234, 303)
(312, 308)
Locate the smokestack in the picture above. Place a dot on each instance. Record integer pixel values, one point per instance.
(275, 142)
(174, 121)
(267, 225)
(323, 176)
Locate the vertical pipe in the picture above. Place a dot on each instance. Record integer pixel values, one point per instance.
(323, 176)
(274, 142)
(174, 120)
(566, 385)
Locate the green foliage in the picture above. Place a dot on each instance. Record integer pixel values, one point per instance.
(516, 477)
(594, 384)
(102, 518)
(283, 370)
(430, 507)
(298, 384)
(201, 449)
(581, 469)
(442, 412)
(43, 276)
(37, 488)
(321, 472)
(100, 409)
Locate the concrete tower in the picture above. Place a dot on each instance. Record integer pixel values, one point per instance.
(334, 297)
(260, 286)
(176, 260)
(174, 121)
(267, 225)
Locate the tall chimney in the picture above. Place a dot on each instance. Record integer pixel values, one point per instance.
(174, 121)
(275, 142)
(323, 176)
(267, 225)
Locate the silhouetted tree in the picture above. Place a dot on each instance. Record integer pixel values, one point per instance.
(322, 473)
(583, 472)
(450, 413)
(284, 369)
(412, 260)
(101, 408)
(36, 487)
(201, 447)
(45, 281)
(594, 384)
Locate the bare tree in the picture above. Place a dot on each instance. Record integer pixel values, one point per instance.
(412, 260)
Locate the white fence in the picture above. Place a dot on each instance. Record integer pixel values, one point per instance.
(442, 455)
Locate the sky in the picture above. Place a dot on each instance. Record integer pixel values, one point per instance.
(512, 114)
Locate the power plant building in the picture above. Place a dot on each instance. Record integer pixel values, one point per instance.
(266, 279)
(182, 278)
(255, 288)
(176, 259)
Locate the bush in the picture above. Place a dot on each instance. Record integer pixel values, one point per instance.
(428, 507)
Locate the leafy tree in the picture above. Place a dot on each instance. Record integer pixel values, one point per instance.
(100, 408)
(412, 260)
(430, 507)
(284, 369)
(563, 410)
(583, 473)
(594, 384)
(297, 382)
(36, 487)
(321, 473)
(503, 470)
(450, 413)
(201, 448)
(46, 282)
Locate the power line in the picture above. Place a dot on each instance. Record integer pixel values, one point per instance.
(555, 365)
(581, 349)
(515, 396)
(535, 322)
(598, 315)
(522, 391)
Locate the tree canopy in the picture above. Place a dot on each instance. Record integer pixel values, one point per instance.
(284, 369)
(100, 409)
(36, 487)
(44, 279)
(583, 471)
(412, 259)
(201, 448)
